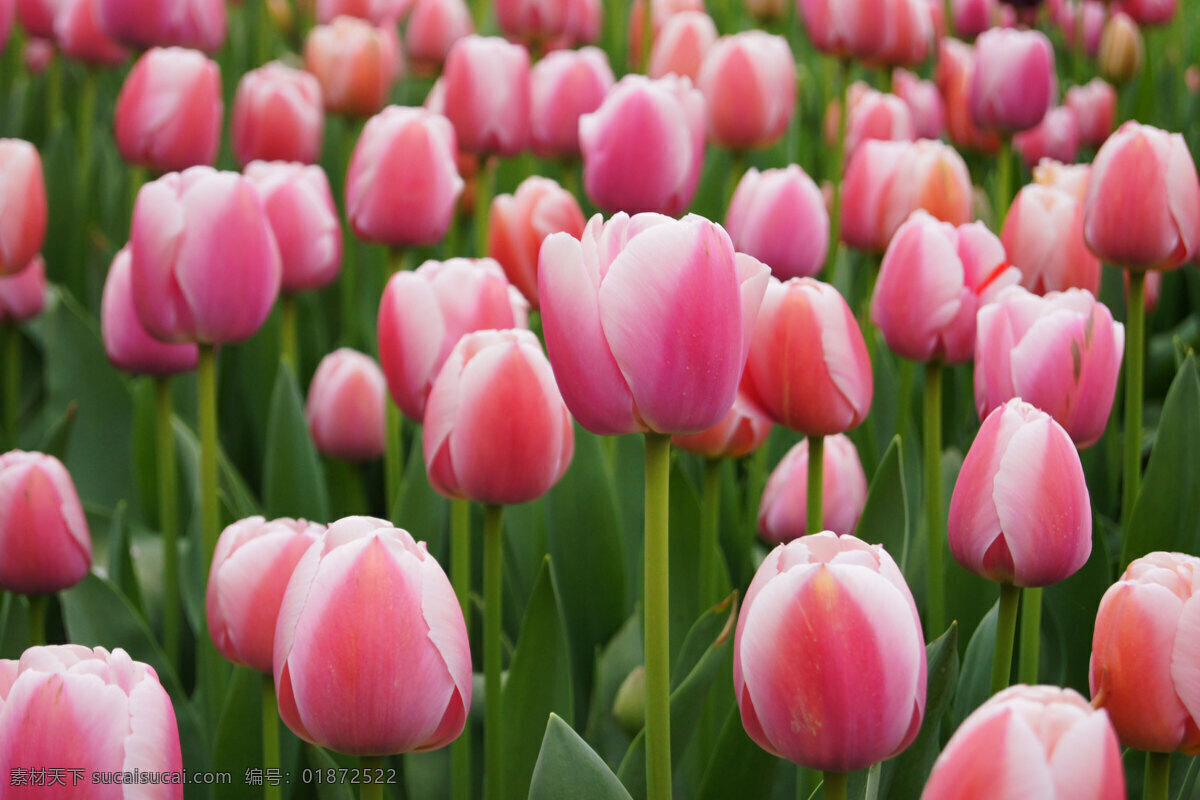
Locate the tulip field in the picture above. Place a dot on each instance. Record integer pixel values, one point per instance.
(599, 399)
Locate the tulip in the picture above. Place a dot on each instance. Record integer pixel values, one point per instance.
(518, 224)
(740, 432)
(973, 17)
(45, 546)
(128, 347)
(335, 667)
(681, 46)
(253, 562)
(1086, 17)
(377, 12)
(37, 16)
(779, 217)
(1121, 50)
(487, 95)
(303, 219)
(1013, 84)
(844, 28)
(564, 86)
(1149, 12)
(39, 55)
(1043, 236)
(532, 21)
(782, 514)
(908, 33)
(749, 86)
(661, 12)
(22, 205)
(924, 103)
(624, 140)
(345, 407)
(821, 609)
(1031, 741)
(875, 115)
(78, 33)
(8, 12)
(355, 63)
(433, 28)
(1055, 137)
(582, 25)
(1070, 178)
(1095, 107)
(23, 294)
(277, 116)
(197, 24)
(954, 75)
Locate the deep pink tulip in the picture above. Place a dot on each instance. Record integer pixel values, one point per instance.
(973, 17)
(45, 545)
(781, 514)
(128, 347)
(355, 63)
(954, 75)
(403, 183)
(779, 217)
(740, 432)
(845, 28)
(532, 21)
(875, 115)
(908, 33)
(1014, 84)
(377, 12)
(277, 116)
(37, 16)
(1094, 16)
(250, 570)
(487, 95)
(1095, 107)
(168, 115)
(346, 406)
(1070, 178)
(1149, 12)
(1043, 237)
(8, 14)
(614, 309)
(197, 24)
(519, 223)
(1143, 200)
(336, 668)
(79, 35)
(824, 617)
(924, 103)
(433, 28)
(104, 711)
(425, 312)
(681, 46)
(808, 366)
(303, 219)
(565, 85)
(1144, 654)
(1055, 137)
(749, 86)
(1031, 741)
(1020, 512)
(626, 143)
(23, 294)
(22, 205)
(205, 264)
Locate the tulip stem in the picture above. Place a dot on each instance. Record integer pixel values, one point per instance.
(393, 460)
(208, 661)
(1135, 315)
(288, 350)
(270, 737)
(484, 187)
(839, 156)
(1031, 634)
(12, 382)
(137, 176)
(1006, 630)
(262, 32)
(460, 577)
(1158, 776)
(814, 515)
(371, 787)
(710, 518)
(835, 785)
(737, 167)
(657, 628)
(54, 93)
(1003, 181)
(87, 115)
(493, 565)
(168, 518)
(37, 620)
(935, 522)
(647, 36)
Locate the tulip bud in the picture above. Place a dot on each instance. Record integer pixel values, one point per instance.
(346, 406)
(954, 75)
(1120, 54)
(336, 668)
(37, 17)
(779, 217)
(1070, 178)
(1043, 237)
(531, 21)
(820, 609)
(844, 28)
(195, 24)
(1086, 18)
(749, 86)
(78, 33)
(128, 347)
(23, 294)
(781, 514)
(582, 26)
(23, 203)
(629, 706)
(487, 95)
(45, 545)
(433, 28)
(875, 115)
(908, 33)
(973, 17)
(1095, 107)
(355, 63)
(924, 103)
(303, 219)
(740, 432)
(519, 223)
(565, 85)
(661, 12)
(1055, 137)
(1014, 84)
(277, 116)
(682, 44)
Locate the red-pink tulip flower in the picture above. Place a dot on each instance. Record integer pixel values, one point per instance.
(22, 205)
(565, 85)
(808, 366)
(875, 115)
(1020, 512)
(1031, 741)
(79, 35)
(1061, 352)
(403, 182)
(425, 312)
(1014, 84)
(8, 13)
(924, 103)
(197, 24)
(432, 29)
(1094, 16)
(615, 305)
(643, 149)
(781, 514)
(532, 21)
(104, 711)
(37, 17)
(779, 217)
(740, 432)
(824, 617)
(346, 406)
(749, 86)
(1070, 178)
(205, 264)
(661, 12)
(955, 71)
(487, 95)
(1095, 107)
(682, 44)
(845, 28)
(378, 12)
(355, 63)
(973, 17)
(1055, 137)
(336, 667)
(908, 33)
(38, 55)
(584, 18)
(23, 294)
(520, 222)
(277, 116)
(45, 545)
(126, 343)
(1143, 200)
(1043, 237)
(1149, 12)
(303, 219)
(250, 570)
(168, 114)
(1144, 662)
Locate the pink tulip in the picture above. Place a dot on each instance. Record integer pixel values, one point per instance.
(808, 366)
(250, 570)
(336, 668)
(1013, 85)
(1149, 12)
(614, 309)
(277, 116)
(78, 33)
(740, 432)
(1055, 137)
(626, 142)
(565, 85)
(1095, 107)
(1070, 178)
(1031, 741)
(425, 312)
(403, 183)
(128, 347)
(22, 205)
(826, 617)
(1094, 16)
(45, 546)
(779, 217)
(908, 33)
(1020, 511)
(1144, 660)
(875, 115)
(954, 75)
(355, 63)
(37, 17)
(781, 514)
(377, 12)
(205, 264)
(681, 46)
(38, 55)
(197, 24)
(433, 28)
(532, 21)
(168, 114)
(346, 406)
(924, 103)
(845, 28)
(104, 711)
(8, 13)
(1043, 237)
(749, 86)
(583, 20)
(518, 224)
(973, 17)
(1143, 200)
(661, 12)
(23, 294)
(488, 95)
(303, 219)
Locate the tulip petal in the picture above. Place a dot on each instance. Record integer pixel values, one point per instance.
(1086, 761)
(1015, 768)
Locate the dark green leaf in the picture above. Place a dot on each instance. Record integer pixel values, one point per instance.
(885, 517)
(422, 511)
(975, 680)
(622, 654)
(238, 744)
(58, 436)
(567, 767)
(293, 482)
(120, 564)
(739, 767)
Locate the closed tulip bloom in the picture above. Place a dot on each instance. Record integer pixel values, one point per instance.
(79, 35)
(845, 28)
(277, 116)
(740, 432)
(924, 103)
(779, 217)
(1121, 50)
(37, 16)
(781, 514)
(251, 566)
(1149, 12)
(487, 95)
(1039, 741)
(355, 63)
(1056, 137)
(303, 220)
(565, 85)
(8, 13)
(1086, 18)
(954, 74)
(1043, 237)
(875, 115)
(519, 223)
(425, 312)
(336, 668)
(45, 545)
(533, 21)
(584, 18)
(168, 114)
(128, 347)
(205, 264)
(1013, 85)
(22, 205)
(1144, 654)
(196, 24)
(681, 46)
(824, 617)
(1070, 178)
(908, 33)
(1095, 107)
(1020, 512)
(973, 17)
(23, 294)
(346, 408)
(661, 12)
(432, 29)
(749, 86)
(38, 55)
(643, 148)
(377, 12)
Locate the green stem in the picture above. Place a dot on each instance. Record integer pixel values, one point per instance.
(1158, 776)
(1006, 629)
(647, 37)
(710, 519)
(288, 349)
(904, 406)
(137, 177)
(1031, 635)
(803, 782)
(460, 577)
(658, 624)
(835, 785)
(371, 789)
(1003, 181)
(935, 522)
(393, 460)
(12, 383)
(209, 665)
(270, 736)
(397, 260)
(262, 32)
(347, 278)
(493, 566)
(54, 92)
(737, 166)
(168, 518)
(839, 155)
(85, 118)
(37, 620)
(814, 514)
(1135, 347)
(484, 188)
(570, 178)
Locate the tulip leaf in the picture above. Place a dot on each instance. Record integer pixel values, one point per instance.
(975, 678)
(613, 664)
(885, 517)
(238, 743)
(320, 759)
(120, 562)
(567, 767)
(738, 766)
(14, 625)
(57, 436)
(422, 511)
(1069, 615)
(686, 606)
(293, 482)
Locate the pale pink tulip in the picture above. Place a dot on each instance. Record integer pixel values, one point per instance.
(782, 512)
(661, 12)
(45, 545)
(347, 406)
(749, 86)
(277, 116)
(22, 205)
(196, 24)
(1095, 107)
(305, 223)
(519, 223)
(128, 347)
(1043, 237)
(779, 217)
(1070, 178)
(355, 63)
(1055, 137)
(433, 28)
(565, 85)
(487, 95)
(682, 44)
(908, 33)
(23, 294)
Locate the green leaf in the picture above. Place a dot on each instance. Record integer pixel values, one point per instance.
(14, 625)
(885, 517)
(738, 767)
(293, 482)
(567, 767)
(58, 436)
(619, 657)
(686, 606)
(120, 564)
(1069, 616)
(975, 679)
(320, 759)
(422, 511)
(238, 743)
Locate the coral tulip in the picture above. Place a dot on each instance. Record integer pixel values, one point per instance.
(519, 223)
(45, 545)
(782, 512)
(740, 432)
(682, 44)
(954, 75)
(22, 205)
(355, 63)
(346, 406)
